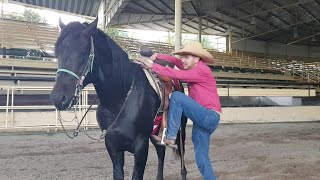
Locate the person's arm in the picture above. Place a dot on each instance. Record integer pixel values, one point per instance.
(193, 75)
(171, 59)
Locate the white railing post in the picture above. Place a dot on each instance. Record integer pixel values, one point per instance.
(7, 107)
(10, 110)
(86, 107)
(12, 99)
(56, 120)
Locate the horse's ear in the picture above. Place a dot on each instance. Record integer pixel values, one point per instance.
(61, 24)
(91, 28)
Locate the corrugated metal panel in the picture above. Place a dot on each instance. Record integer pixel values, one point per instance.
(81, 7)
(274, 21)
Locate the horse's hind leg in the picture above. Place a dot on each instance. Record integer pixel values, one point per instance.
(161, 152)
(140, 158)
(181, 146)
(181, 151)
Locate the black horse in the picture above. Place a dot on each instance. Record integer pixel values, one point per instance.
(128, 103)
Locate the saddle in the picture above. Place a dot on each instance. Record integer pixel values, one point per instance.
(164, 86)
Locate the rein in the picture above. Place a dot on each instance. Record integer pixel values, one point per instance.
(105, 131)
(79, 87)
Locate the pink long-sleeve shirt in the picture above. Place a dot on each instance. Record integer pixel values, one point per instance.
(201, 83)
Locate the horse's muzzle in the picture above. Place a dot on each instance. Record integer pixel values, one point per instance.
(62, 102)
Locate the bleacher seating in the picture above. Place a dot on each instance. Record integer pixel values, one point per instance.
(306, 68)
(41, 36)
(17, 34)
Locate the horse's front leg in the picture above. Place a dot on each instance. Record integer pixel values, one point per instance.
(140, 157)
(117, 158)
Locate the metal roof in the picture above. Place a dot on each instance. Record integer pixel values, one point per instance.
(87, 8)
(290, 21)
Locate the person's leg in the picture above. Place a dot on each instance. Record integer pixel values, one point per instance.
(201, 142)
(174, 115)
(200, 116)
(205, 121)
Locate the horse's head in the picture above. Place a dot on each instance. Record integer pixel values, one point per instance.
(72, 49)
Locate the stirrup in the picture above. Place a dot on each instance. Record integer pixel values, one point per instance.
(163, 136)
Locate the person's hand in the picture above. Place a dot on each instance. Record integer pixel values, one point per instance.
(146, 62)
(154, 56)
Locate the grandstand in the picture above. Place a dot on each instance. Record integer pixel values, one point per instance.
(236, 66)
(253, 71)
(25, 35)
(243, 79)
(239, 65)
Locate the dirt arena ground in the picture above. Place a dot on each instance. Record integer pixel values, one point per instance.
(239, 151)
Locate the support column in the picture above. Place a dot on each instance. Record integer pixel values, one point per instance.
(2, 35)
(177, 24)
(200, 29)
(286, 51)
(267, 50)
(230, 42)
(2, 3)
(104, 10)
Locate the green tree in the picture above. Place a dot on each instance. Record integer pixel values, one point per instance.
(187, 38)
(31, 16)
(206, 42)
(170, 39)
(28, 15)
(13, 16)
(114, 32)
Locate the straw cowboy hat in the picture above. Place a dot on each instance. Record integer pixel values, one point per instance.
(197, 50)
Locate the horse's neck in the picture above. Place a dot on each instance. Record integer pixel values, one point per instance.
(108, 81)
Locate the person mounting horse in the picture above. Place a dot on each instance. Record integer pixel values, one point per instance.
(127, 102)
(202, 105)
(167, 85)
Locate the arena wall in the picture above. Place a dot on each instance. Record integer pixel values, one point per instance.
(275, 48)
(47, 120)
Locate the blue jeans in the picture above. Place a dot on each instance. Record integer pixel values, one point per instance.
(205, 121)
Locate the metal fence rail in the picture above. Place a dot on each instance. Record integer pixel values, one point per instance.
(32, 115)
(43, 116)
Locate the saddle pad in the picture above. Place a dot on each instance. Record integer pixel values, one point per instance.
(154, 82)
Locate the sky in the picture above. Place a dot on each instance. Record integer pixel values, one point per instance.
(52, 17)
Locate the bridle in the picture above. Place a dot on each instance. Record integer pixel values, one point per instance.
(86, 70)
(79, 87)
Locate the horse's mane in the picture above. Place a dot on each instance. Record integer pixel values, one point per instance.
(112, 53)
(122, 66)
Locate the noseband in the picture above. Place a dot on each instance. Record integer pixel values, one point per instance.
(86, 70)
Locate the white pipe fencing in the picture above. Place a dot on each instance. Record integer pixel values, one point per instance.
(43, 116)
